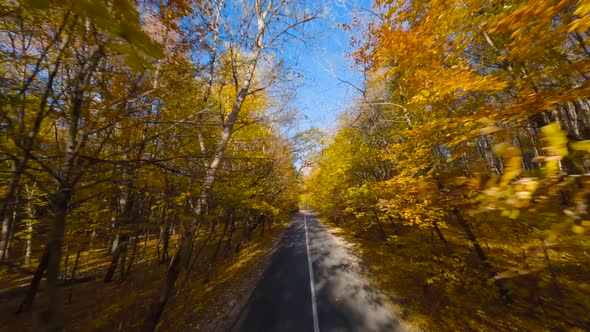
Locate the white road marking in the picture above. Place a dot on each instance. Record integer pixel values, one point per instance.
(314, 307)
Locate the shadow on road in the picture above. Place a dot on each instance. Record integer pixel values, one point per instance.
(346, 301)
(282, 298)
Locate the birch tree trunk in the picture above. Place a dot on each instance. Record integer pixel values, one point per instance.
(264, 13)
(66, 182)
(182, 256)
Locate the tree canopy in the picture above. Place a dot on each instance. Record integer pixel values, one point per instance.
(473, 127)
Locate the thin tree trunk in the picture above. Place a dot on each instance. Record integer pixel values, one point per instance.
(116, 240)
(28, 137)
(73, 276)
(181, 258)
(34, 286)
(28, 140)
(166, 239)
(29, 241)
(8, 215)
(441, 237)
(115, 259)
(53, 315)
(75, 267)
(64, 273)
(223, 234)
(183, 253)
(158, 306)
(232, 229)
(481, 254)
(382, 232)
(132, 258)
(145, 243)
(123, 265)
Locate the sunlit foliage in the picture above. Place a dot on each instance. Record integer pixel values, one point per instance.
(475, 126)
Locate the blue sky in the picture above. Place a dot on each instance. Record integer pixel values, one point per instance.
(323, 97)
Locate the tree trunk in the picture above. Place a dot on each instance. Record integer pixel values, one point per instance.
(182, 256)
(132, 258)
(34, 286)
(7, 209)
(158, 306)
(28, 136)
(8, 229)
(73, 276)
(75, 267)
(481, 255)
(166, 239)
(223, 233)
(29, 244)
(441, 237)
(121, 248)
(382, 232)
(64, 273)
(53, 315)
(232, 229)
(145, 243)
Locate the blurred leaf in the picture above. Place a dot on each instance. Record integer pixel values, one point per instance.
(581, 145)
(578, 229)
(38, 4)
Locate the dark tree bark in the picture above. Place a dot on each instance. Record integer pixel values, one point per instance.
(132, 258)
(232, 229)
(34, 286)
(121, 248)
(73, 276)
(442, 237)
(481, 255)
(166, 243)
(382, 232)
(223, 234)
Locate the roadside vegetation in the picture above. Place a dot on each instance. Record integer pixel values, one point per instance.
(145, 157)
(209, 300)
(462, 172)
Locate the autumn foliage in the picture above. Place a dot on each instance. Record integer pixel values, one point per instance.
(468, 158)
(137, 134)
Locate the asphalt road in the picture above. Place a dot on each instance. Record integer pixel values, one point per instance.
(312, 284)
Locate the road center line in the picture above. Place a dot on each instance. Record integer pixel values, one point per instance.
(314, 307)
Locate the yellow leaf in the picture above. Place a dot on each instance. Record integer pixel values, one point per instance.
(581, 145)
(578, 229)
(489, 130)
(514, 214)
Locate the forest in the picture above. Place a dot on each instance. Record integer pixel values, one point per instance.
(143, 154)
(151, 158)
(463, 171)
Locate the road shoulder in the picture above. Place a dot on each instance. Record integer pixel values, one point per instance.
(226, 304)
